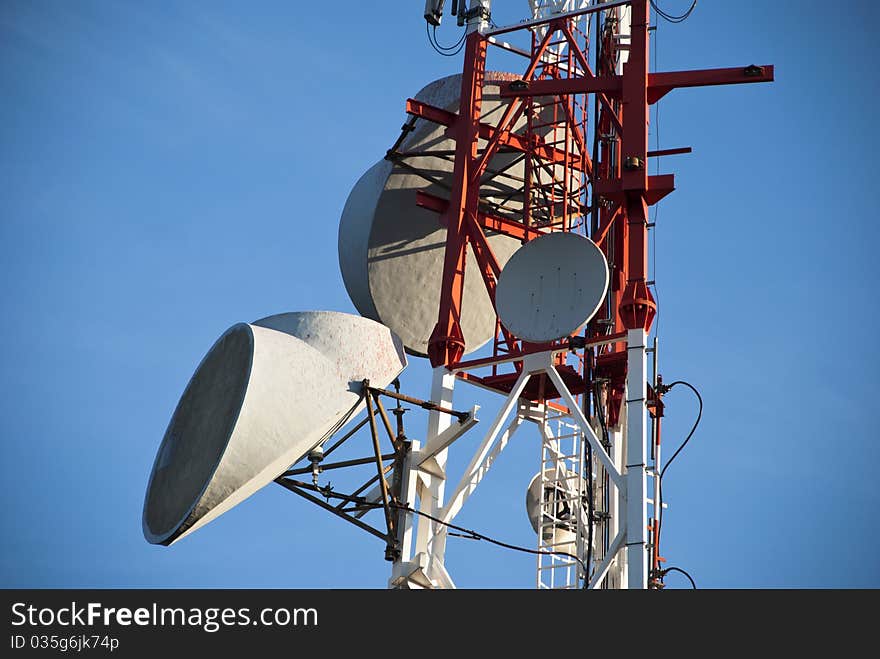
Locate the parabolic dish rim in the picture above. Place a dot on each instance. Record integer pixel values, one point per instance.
(522, 280)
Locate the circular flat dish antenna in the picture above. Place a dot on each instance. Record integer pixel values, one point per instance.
(551, 287)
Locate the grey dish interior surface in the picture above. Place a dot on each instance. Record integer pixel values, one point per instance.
(264, 395)
(551, 287)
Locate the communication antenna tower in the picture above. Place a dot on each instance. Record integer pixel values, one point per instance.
(511, 215)
(585, 93)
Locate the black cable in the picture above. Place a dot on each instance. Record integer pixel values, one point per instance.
(666, 388)
(590, 502)
(693, 429)
(670, 17)
(678, 569)
(601, 414)
(473, 535)
(446, 51)
(453, 46)
(432, 39)
(606, 443)
(657, 309)
(590, 506)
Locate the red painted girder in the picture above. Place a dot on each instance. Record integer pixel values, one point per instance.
(658, 187)
(511, 112)
(634, 140)
(659, 84)
(582, 59)
(447, 344)
(487, 131)
(670, 152)
(535, 348)
(492, 222)
(578, 137)
(490, 269)
(503, 382)
(602, 231)
(430, 112)
(563, 86)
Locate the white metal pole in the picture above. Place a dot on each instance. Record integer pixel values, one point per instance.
(636, 454)
(431, 537)
(479, 22)
(624, 35)
(474, 471)
(408, 495)
(617, 505)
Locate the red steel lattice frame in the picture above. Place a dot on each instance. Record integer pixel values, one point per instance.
(614, 170)
(621, 189)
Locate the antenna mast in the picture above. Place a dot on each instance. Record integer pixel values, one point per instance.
(584, 145)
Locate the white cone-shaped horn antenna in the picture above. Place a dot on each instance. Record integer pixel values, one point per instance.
(264, 396)
(554, 516)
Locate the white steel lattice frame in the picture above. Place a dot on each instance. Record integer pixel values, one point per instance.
(421, 563)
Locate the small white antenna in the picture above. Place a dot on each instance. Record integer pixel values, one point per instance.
(551, 287)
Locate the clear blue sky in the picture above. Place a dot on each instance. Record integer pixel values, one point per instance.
(171, 168)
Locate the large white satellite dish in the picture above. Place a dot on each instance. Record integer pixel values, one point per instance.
(359, 348)
(264, 396)
(551, 287)
(391, 251)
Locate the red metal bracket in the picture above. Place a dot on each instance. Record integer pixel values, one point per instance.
(617, 174)
(495, 223)
(659, 84)
(487, 132)
(658, 187)
(446, 344)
